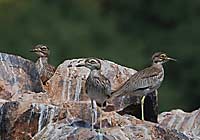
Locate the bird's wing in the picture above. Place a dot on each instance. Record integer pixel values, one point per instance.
(145, 78)
(104, 83)
(101, 83)
(51, 68)
(48, 72)
(140, 80)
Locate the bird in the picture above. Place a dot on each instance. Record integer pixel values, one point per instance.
(145, 81)
(45, 70)
(98, 87)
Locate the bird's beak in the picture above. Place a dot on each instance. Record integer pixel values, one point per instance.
(80, 65)
(169, 58)
(34, 50)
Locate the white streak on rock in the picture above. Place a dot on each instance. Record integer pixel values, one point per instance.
(64, 88)
(42, 115)
(78, 89)
(69, 90)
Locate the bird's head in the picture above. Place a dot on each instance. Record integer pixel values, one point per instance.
(160, 58)
(91, 63)
(41, 50)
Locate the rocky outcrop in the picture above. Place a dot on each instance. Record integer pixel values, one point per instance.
(187, 123)
(120, 128)
(61, 108)
(68, 84)
(17, 75)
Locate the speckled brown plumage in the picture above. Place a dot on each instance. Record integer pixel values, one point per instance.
(45, 70)
(147, 80)
(98, 87)
(144, 81)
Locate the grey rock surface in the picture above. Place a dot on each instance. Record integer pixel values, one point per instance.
(187, 123)
(63, 111)
(17, 75)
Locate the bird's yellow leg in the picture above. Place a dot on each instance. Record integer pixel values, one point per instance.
(142, 107)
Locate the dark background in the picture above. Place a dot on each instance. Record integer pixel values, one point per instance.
(127, 32)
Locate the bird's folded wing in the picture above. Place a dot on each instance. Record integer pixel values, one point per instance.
(103, 84)
(140, 80)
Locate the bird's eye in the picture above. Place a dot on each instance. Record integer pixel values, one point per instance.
(162, 55)
(92, 62)
(43, 48)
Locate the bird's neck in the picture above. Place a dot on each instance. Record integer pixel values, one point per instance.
(159, 66)
(94, 73)
(42, 61)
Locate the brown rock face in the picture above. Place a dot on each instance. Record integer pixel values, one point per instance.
(68, 83)
(19, 119)
(17, 75)
(63, 111)
(187, 123)
(127, 128)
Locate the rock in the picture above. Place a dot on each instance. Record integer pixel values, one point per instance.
(128, 128)
(63, 110)
(19, 119)
(17, 75)
(7, 116)
(42, 121)
(68, 84)
(63, 131)
(29, 112)
(2, 101)
(187, 123)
